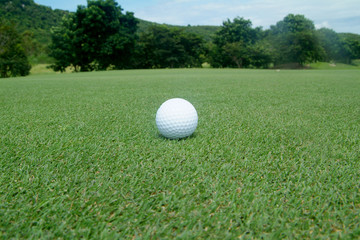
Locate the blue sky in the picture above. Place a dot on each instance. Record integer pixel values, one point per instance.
(340, 15)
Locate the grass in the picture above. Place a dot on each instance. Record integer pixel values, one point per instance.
(41, 69)
(335, 66)
(275, 155)
(44, 69)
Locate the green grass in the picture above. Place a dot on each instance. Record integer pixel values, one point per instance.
(44, 69)
(335, 66)
(275, 155)
(41, 69)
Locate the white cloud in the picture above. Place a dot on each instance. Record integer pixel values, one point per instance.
(324, 24)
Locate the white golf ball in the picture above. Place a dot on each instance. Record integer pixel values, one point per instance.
(176, 118)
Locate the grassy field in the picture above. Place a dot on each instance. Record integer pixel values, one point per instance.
(275, 155)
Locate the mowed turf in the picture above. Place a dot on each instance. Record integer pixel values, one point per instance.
(276, 155)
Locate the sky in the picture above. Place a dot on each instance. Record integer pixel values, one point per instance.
(339, 15)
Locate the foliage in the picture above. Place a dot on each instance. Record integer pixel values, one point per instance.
(34, 21)
(237, 44)
(275, 156)
(205, 32)
(351, 44)
(39, 19)
(339, 47)
(295, 41)
(13, 60)
(162, 47)
(62, 47)
(94, 38)
(234, 44)
(31, 46)
(29, 16)
(238, 30)
(261, 54)
(331, 43)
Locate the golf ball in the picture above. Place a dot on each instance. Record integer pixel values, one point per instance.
(176, 118)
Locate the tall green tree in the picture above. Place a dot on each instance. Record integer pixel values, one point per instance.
(295, 41)
(13, 60)
(238, 30)
(62, 48)
(95, 37)
(235, 45)
(162, 47)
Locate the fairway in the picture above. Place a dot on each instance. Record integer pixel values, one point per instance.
(276, 155)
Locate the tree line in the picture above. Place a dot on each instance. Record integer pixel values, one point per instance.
(101, 36)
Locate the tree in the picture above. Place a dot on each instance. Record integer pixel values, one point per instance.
(235, 45)
(237, 53)
(351, 46)
(162, 47)
(331, 43)
(29, 43)
(194, 47)
(13, 60)
(62, 48)
(295, 41)
(261, 54)
(238, 30)
(95, 37)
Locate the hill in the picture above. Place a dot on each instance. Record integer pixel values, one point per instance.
(207, 32)
(30, 16)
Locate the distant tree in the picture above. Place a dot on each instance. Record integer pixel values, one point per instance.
(235, 45)
(162, 47)
(295, 41)
(237, 54)
(30, 44)
(351, 46)
(13, 60)
(261, 54)
(194, 47)
(331, 44)
(62, 48)
(95, 37)
(238, 30)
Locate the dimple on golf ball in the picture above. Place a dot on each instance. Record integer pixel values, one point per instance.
(176, 118)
